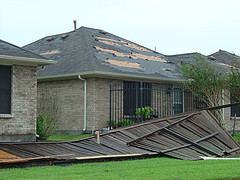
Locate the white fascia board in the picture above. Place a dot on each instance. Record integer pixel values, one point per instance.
(109, 75)
(15, 60)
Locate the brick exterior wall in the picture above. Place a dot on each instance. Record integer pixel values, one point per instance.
(228, 120)
(71, 93)
(98, 102)
(21, 124)
(71, 97)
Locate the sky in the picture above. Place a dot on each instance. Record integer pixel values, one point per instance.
(170, 26)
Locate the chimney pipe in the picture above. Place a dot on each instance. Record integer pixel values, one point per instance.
(75, 24)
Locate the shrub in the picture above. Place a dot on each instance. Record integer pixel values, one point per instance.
(46, 126)
(146, 112)
(125, 122)
(49, 110)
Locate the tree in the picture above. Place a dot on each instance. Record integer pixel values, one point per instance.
(234, 79)
(206, 82)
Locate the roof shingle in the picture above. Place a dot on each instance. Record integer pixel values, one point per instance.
(86, 50)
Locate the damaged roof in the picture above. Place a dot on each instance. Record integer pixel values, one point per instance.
(226, 59)
(94, 50)
(221, 59)
(188, 136)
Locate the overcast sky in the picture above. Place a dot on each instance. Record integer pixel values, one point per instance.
(172, 26)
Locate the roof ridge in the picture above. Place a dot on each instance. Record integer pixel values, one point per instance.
(184, 54)
(224, 51)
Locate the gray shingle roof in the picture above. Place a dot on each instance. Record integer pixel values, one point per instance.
(222, 60)
(225, 58)
(87, 49)
(13, 50)
(180, 58)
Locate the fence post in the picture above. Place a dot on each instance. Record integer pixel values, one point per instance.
(141, 100)
(234, 124)
(110, 106)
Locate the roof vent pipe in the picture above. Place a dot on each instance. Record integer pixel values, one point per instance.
(75, 24)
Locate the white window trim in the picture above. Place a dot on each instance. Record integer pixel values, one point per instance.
(6, 116)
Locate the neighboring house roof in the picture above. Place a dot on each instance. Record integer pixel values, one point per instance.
(180, 58)
(94, 52)
(222, 60)
(11, 54)
(226, 59)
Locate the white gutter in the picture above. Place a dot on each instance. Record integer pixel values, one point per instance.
(15, 60)
(85, 104)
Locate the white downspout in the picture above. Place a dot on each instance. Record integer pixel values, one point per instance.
(223, 102)
(85, 103)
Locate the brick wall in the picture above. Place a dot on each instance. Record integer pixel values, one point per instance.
(21, 124)
(71, 93)
(228, 120)
(71, 97)
(98, 102)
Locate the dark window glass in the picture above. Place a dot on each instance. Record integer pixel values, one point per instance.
(235, 109)
(5, 89)
(132, 96)
(178, 100)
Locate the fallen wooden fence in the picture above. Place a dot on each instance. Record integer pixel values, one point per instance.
(188, 136)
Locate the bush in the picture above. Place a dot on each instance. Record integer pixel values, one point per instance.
(46, 126)
(49, 110)
(146, 113)
(125, 122)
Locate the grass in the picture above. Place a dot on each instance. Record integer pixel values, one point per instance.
(156, 168)
(237, 137)
(67, 137)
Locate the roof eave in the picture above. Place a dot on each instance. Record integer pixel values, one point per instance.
(16, 60)
(109, 75)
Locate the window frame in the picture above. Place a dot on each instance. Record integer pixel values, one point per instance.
(131, 96)
(7, 87)
(234, 108)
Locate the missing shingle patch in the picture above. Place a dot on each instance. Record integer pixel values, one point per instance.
(50, 52)
(124, 43)
(110, 43)
(116, 53)
(150, 58)
(109, 39)
(228, 65)
(131, 55)
(124, 64)
(136, 47)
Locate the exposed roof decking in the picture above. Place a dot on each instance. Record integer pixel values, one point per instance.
(89, 50)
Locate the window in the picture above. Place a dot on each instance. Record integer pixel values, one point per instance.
(235, 109)
(132, 96)
(5, 89)
(178, 100)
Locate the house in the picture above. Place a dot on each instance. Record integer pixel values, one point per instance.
(223, 61)
(18, 92)
(89, 60)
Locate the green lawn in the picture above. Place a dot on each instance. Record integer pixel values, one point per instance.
(237, 137)
(156, 168)
(67, 137)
